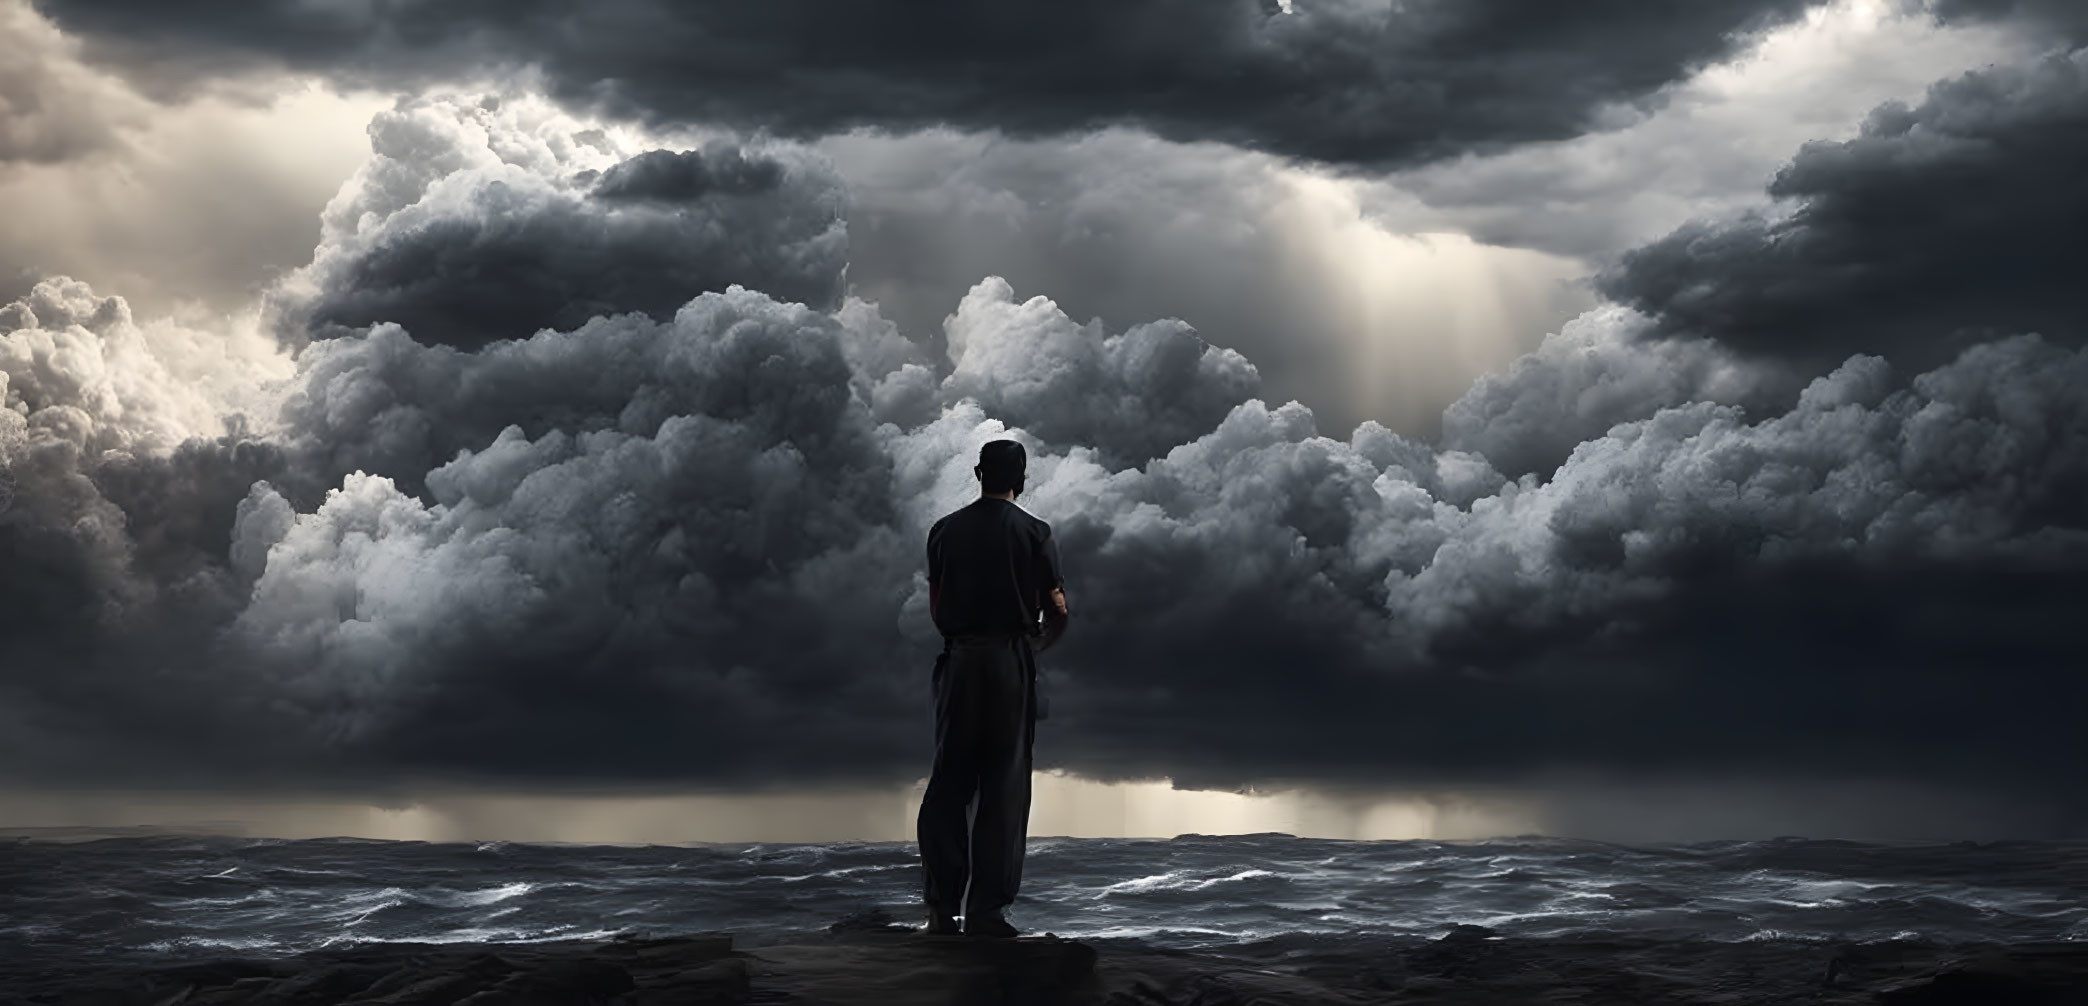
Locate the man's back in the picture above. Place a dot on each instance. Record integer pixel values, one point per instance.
(992, 569)
(990, 566)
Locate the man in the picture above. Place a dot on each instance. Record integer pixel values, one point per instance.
(997, 596)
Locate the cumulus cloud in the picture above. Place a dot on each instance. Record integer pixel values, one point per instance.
(1589, 614)
(1338, 81)
(1592, 374)
(1134, 394)
(670, 551)
(1973, 459)
(80, 369)
(708, 534)
(350, 623)
(480, 219)
(121, 445)
(1941, 225)
(674, 548)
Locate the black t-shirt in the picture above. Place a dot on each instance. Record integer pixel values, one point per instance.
(991, 566)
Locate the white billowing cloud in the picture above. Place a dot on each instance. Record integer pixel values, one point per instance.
(1595, 372)
(75, 366)
(1955, 465)
(1140, 391)
(479, 218)
(1262, 505)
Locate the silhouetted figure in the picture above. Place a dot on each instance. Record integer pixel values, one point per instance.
(997, 596)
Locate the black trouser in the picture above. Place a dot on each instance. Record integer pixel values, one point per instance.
(985, 702)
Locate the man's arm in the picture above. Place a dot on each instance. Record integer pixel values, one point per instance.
(1053, 594)
(934, 572)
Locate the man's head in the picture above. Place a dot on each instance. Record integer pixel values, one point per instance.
(1000, 468)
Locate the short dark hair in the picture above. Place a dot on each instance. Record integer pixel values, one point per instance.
(1001, 466)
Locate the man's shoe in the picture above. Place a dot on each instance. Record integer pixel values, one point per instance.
(988, 925)
(941, 923)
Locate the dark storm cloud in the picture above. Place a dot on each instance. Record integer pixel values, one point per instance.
(683, 175)
(120, 459)
(686, 549)
(743, 570)
(1939, 226)
(1689, 593)
(708, 512)
(472, 223)
(695, 545)
(2066, 18)
(684, 567)
(1345, 81)
(155, 621)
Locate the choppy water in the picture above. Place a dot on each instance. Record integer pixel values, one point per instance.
(169, 897)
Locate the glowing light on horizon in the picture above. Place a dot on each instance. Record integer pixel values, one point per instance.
(1063, 805)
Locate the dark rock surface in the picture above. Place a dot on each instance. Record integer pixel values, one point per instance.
(872, 960)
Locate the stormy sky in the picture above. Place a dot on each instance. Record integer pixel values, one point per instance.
(1673, 414)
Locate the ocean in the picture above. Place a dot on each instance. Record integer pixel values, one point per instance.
(168, 898)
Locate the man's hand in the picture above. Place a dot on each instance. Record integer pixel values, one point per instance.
(1055, 616)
